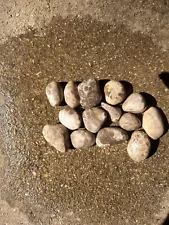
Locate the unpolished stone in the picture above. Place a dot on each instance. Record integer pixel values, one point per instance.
(114, 112)
(71, 94)
(54, 92)
(129, 122)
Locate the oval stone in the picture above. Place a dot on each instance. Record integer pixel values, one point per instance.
(71, 94)
(114, 112)
(54, 93)
(129, 122)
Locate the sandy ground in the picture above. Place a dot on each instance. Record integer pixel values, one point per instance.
(63, 40)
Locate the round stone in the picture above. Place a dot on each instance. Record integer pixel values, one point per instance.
(153, 123)
(139, 146)
(114, 112)
(115, 92)
(70, 118)
(71, 94)
(135, 103)
(54, 92)
(94, 119)
(90, 94)
(82, 138)
(110, 136)
(129, 122)
(57, 136)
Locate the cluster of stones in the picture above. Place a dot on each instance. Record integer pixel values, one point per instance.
(84, 121)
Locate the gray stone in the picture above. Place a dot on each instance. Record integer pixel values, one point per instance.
(71, 94)
(94, 119)
(153, 123)
(135, 103)
(114, 112)
(139, 146)
(54, 92)
(57, 136)
(90, 94)
(82, 138)
(115, 92)
(129, 122)
(70, 118)
(110, 136)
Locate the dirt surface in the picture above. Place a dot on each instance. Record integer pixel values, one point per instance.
(45, 40)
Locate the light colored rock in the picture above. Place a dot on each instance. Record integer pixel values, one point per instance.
(70, 118)
(110, 136)
(115, 92)
(94, 119)
(135, 103)
(129, 122)
(139, 146)
(114, 112)
(89, 92)
(153, 123)
(54, 92)
(71, 94)
(57, 136)
(82, 138)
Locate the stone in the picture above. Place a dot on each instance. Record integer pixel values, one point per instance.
(135, 103)
(94, 119)
(153, 123)
(57, 136)
(110, 136)
(89, 92)
(71, 94)
(139, 146)
(70, 118)
(54, 92)
(114, 112)
(82, 138)
(115, 92)
(129, 122)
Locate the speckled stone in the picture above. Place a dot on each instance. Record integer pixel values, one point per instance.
(94, 119)
(82, 138)
(114, 112)
(71, 94)
(110, 136)
(115, 92)
(129, 122)
(57, 136)
(54, 92)
(153, 123)
(135, 103)
(70, 118)
(90, 94)
(139, 146)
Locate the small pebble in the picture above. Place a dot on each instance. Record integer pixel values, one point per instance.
(82, 139)
(115, 92)
(114, 112)
(54, 92)
(89, 92)
(135, 103)
(129, 122)
(71, 94)
(94, 119)
(110, 136)
(139, 146)
(70, 118)
(153, 123)
(57, 136)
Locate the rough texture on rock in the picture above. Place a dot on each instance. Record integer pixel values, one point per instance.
(139, 146)
(54, 92)
(94, 119)
(57, 136)
(153, 123)
(115, 92)
(89, 92)
(82, 139)
(114, 112)
(71, 94)
(70, 118)
(135, 103)
(110, 136)
(129, 122)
